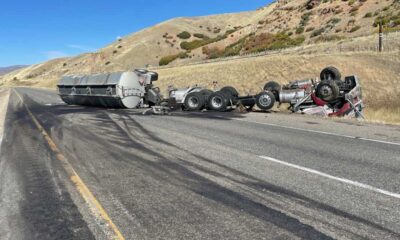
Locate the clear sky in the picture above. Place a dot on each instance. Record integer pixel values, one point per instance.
(33, 31)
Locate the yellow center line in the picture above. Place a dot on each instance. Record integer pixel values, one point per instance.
(94, 205)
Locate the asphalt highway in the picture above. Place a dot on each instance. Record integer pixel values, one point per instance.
(73, 172)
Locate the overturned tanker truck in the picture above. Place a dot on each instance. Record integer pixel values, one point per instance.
(330, 95)
(113, 90)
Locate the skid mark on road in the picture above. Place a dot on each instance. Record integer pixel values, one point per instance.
(343, 180)
(94, 205)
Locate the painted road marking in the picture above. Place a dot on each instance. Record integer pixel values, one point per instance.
(343, 180)
(320, 132)
(94, 205)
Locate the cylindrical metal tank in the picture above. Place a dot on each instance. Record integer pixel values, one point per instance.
(113, 90)
(287, 96)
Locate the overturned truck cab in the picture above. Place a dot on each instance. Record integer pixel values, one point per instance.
(330, 96)
(133, 89)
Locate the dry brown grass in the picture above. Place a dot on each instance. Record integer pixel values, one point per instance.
(379, 74)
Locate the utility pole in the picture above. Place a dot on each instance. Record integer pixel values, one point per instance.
(380, 47)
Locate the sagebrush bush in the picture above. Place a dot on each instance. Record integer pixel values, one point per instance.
(202, 42)
(355, 28)
(170, 58)
(199, 35)
(317, 32)
(184, 35)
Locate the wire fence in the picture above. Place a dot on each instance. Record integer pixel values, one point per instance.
(391, 43)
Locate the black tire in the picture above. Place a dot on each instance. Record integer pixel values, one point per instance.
(265, 100)
(218, 101)
(206, 94)
(330, 73)
(327, 91)
(230, 90)
(194, 101)
(273, 87)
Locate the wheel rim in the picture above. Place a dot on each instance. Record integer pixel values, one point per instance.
(216, 102)
(193, 102)
(326, 91)
(264, 100)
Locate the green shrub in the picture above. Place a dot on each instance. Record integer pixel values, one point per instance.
(328, 38)
(267, 41)
(199, 35)
(334, 21)
(305, 18)
(183, 55)
(355, 28)
(167, 59)
(170, 58)
(317, 32)
(231, 50)
(299, 30)
(184, 35)
(193, 44)
(368, 15)
(381, 19)
(202, 42)
(310, 29)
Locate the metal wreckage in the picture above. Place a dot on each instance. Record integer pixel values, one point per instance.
(328, 95)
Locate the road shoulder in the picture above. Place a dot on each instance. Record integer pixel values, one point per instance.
(4, 96)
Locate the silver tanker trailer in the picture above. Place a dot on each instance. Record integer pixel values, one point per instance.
(132, 89)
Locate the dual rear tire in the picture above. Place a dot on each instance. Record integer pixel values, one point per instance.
(219, 101)
(194, 101)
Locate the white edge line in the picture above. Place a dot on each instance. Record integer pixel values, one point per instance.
(343, 180)
(321, 132)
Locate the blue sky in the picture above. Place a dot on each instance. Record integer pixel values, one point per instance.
(35, 31)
